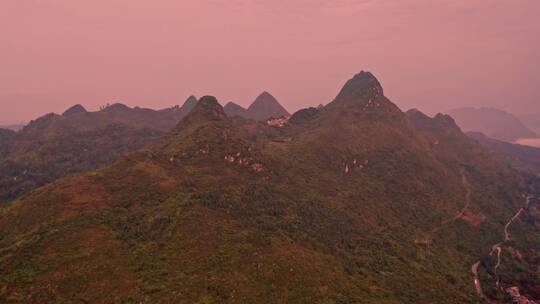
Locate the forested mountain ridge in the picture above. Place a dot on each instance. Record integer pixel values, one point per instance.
(53, 145)
(354, 202)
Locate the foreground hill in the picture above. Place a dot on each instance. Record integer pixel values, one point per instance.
(494, 123)
(263, 108)
(55, 145)
(348, 203)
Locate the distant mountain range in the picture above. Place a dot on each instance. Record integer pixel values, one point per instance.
(532, 121)
(525, 158)
(494, 123)
(264, 107)
(55, 145)
(14, 127)
(353, 202)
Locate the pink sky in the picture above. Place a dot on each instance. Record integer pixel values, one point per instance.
(429, 54)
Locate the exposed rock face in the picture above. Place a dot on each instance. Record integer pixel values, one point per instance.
(208, 107)
(364, 92)
(362, 85)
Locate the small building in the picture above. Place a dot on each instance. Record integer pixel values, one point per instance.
(277, 122)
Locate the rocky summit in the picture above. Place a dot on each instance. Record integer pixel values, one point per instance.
(354, 202)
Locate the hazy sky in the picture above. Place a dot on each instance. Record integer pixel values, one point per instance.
(429, 54)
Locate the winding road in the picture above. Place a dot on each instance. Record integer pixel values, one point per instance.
(496, 248)
(477, 285)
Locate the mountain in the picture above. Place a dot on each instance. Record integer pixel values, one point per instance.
(266, 106)
(54, 146)
(517, 255)
(74, 110)
(521, 157)
(188, 105)
(354, 202)
(263, 108)
(494, 123)
(233, 109)
(532, 121)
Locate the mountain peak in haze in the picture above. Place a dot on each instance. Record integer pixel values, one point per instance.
(116, 107)
(361, 85)
(266, 106)
(233, 109)
(76, 109)
(206, 109)
(439, 123)
(365, 93)
(190, 102)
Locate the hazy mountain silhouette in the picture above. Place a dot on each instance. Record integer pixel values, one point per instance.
(532, 121)
(264, 107)
(233, 109)
(53, 145)
(494, 123)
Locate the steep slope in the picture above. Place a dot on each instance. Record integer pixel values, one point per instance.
(266, 106)
(512, 260)
(351, 203)
(6, 138)
(54, 145)
(494, 123)
(188, 105)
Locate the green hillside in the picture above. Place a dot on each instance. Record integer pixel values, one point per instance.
(354, 202)
(54, 146)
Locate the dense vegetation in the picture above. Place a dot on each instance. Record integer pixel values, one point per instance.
(523, 158)
(354, 202)
(54, 146)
